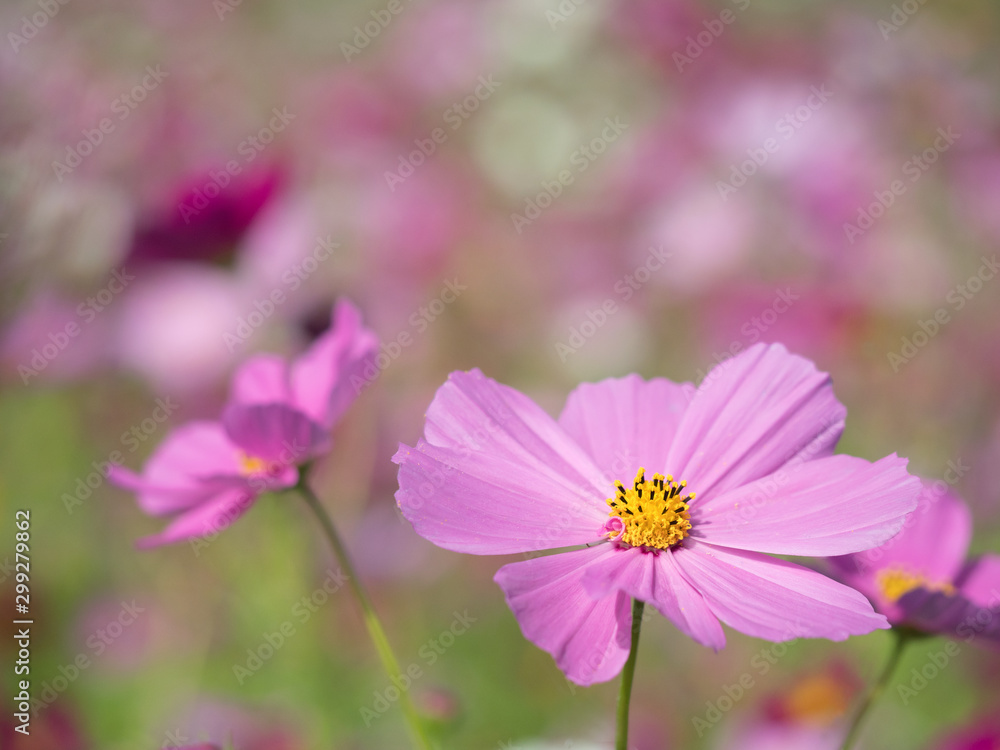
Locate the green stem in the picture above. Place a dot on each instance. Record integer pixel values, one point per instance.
(898, 646)
(625, 693)
(386, 656)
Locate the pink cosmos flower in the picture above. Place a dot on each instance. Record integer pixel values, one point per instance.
(495, 474)
(921, 578)
(279, 415)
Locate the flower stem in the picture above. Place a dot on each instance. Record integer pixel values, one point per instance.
(625, 693)
(900, 640)
(386, 656)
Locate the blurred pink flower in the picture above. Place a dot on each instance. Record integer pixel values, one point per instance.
(825, 324)
(705, 239)
(52, 729)
(921, 578)
(663, 29)
(208, 473)
(182, 323)
(765, 735)
(222, 726)
(48, 340)
(171, 325)
(430, 69)
(806, 716)
(984, 734)
(766, 419)
(412, 224)
(205, 218)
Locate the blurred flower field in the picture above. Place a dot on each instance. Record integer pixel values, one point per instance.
(554, 193)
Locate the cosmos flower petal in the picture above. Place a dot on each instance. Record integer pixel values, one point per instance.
(173, 476)
(328, 376)
(497, 475)
(474, 413)
(935, 540)
(831, 506)
(262, 379)
(933, 543)
(753, 414)
(770, 598)
(979, 581)
(263, 437)
(485, 504)
(274, 433)
(655, 579)
(589, 638)
(624, 423)
(209, 517)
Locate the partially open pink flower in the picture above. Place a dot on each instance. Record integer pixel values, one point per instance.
(495, 474)
(921, 578)
(279, 414)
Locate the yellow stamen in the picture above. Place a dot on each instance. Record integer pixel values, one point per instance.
(252, 465)
(818, 699)
(654, 512)
(896, 581)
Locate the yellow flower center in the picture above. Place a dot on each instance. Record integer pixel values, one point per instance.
(896, 580)
(250, 465)
(653, 512)
(818, 700)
